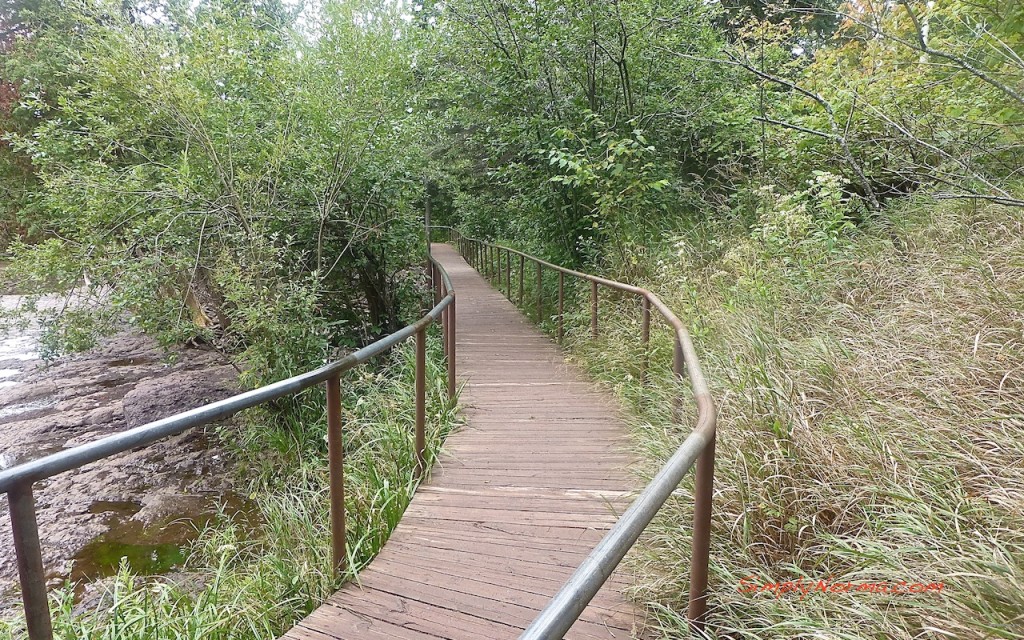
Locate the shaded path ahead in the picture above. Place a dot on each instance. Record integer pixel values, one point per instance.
(523, 491)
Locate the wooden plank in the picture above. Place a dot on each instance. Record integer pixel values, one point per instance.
(413, 614)
(494, 606)
(354, 625)
(469, 590)
(519, 496)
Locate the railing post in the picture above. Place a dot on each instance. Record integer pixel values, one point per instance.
(451, 349)
(561, 307)
(426, 212)
(437, 284)
(430, 272)
(522, 269)
(703, 489)
(678, 367)
(540, 298)
(421, 401)
(704, 484)
(336, 478)
(593, 309)
(508, 273)
(30, 562)
(444, 323)
(645, 336)
(701, 547)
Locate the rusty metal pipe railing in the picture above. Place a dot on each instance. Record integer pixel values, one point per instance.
(17, 482)
(697, 449)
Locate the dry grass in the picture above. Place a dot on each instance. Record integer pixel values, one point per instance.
(872, 426)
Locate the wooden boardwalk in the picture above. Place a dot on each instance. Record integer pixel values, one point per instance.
(519, 496)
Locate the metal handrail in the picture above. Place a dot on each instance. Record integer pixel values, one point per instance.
(17, 481)
(699, 447)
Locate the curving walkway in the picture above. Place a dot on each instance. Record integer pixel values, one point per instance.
(522, 492)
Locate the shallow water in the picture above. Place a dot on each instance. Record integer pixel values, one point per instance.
(155, 548)
(19, 347)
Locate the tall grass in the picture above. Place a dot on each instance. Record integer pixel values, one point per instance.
(254, 577)
(871, 396)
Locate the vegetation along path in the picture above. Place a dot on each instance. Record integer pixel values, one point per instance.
(522, 492)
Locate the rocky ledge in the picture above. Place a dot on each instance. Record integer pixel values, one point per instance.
(144, 502)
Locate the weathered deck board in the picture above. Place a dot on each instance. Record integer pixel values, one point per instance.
(519, 496)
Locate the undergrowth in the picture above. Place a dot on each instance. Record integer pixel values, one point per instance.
(871, 403)
(254, 577)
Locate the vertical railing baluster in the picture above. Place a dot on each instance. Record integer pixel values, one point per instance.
(336, 475)
(438, 283)
(30, 562)
(430, 272)
(540, 294)
(444, 322)
(593, 309)
(508, 273)
(645, 336)
(522, 269)
(703, 490)
(561, 307)
(451, 349)
(421, 402)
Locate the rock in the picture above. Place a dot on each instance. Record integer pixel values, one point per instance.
(101, 415)
(167, 395)
(126, 381)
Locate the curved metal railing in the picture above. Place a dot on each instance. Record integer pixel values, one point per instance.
(17, 482)
(699, 446)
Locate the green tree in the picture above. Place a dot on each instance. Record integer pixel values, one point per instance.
(216, 174)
